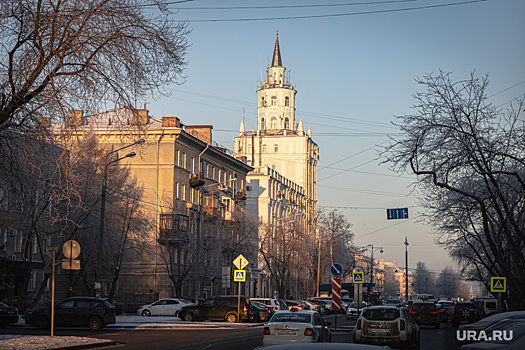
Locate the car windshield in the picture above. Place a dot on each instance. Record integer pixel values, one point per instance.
(389, 314)
(291, 317)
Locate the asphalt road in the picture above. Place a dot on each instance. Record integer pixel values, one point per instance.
(225, 338)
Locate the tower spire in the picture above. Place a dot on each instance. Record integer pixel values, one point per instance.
(276, 61)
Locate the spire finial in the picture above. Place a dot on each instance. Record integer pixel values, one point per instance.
(276, 61)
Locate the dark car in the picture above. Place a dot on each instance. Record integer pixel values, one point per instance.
(8, 315)
(464, 312)
(259, 312)
(425, 313)
(222, 308)
(94, 313)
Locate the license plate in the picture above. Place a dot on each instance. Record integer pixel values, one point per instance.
(10, 312)
(286, 332)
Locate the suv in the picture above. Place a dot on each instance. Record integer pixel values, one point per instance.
(76, 311)
(425, 313)
(387, 325)
(222, 308)
(464, 312)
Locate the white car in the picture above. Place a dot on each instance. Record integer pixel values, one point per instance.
(353, 312)
(163, 307)
(296, 326)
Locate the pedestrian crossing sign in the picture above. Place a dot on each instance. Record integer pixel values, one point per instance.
(239, 276)
(498, 284)
(358, 277)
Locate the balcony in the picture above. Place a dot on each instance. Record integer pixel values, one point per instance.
(240, 195)
(211, 210)
(173, 229)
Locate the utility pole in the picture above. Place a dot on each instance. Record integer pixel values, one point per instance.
(406, 268)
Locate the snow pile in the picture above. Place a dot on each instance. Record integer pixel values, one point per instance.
(39, 342)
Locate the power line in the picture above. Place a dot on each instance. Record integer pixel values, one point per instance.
(337, 14)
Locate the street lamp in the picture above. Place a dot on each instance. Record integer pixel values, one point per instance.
(406, 268)
(202, 187)
(103, 207)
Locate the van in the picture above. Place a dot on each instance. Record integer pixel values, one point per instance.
(486, 306)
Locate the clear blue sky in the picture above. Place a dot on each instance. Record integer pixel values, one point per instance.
(354, 70)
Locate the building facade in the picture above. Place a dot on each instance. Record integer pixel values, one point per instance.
(193, 193)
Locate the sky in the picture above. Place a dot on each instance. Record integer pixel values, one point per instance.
(354, 65)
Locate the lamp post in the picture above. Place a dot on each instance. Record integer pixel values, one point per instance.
(202, 188)
(372, 261)
(103, 207)
(406, 268)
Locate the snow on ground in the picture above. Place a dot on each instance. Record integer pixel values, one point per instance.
(34, 342)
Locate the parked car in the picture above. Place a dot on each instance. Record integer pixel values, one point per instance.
(296, 326)
(506, 324)
(295, 303)
(464, 312)
(163, 307)
(425, 313)
(222, 308)
(259, 312)
(345, 302)
(327, 302)
(387, 325)
(8, 315)
(308, 305)
(353, 311)
(94, 313)
(273, 303)
(505, 341)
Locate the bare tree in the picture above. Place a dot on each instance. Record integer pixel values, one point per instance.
(64, 54)
(468, 155)
(423, 280)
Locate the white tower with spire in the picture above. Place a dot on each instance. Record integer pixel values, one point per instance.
(279, 142)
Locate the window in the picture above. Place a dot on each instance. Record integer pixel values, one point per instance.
(286, 123)
(273, 123)
(3, 239)
(192, 165)
(67, 303)
(262, 101)
(287, 101)
(178, 157)
(32, 281)
(18, 240)
(183, 194)
(263, 126)
(274, 100)
(276, 148)
(3, 199)
(177, 190)
(264, 148)
(249, 148)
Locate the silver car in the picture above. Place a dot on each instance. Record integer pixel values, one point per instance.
(387, 325)
(163, 307)
(296, 326)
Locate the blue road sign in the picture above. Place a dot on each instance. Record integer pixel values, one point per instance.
(498, 284)
(398, 213)
(336, 270)
(358, 277)
(239, 276)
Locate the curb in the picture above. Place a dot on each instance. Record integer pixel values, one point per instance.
(101, 344)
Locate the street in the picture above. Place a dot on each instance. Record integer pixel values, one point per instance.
(246, 338)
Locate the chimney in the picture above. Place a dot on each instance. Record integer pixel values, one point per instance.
(171, 122)
(140, 117)
(202, 132)
(75, 117)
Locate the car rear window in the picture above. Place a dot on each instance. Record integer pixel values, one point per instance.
(381, 314)
(291, 317)
(423, 307)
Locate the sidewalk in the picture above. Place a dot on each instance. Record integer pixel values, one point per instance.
(29, 342)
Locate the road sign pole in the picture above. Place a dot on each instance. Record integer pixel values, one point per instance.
(239, 304)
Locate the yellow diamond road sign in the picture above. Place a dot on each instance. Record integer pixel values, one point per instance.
(240, 262)
(498, 284)
(239, 276)
(358, 277)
